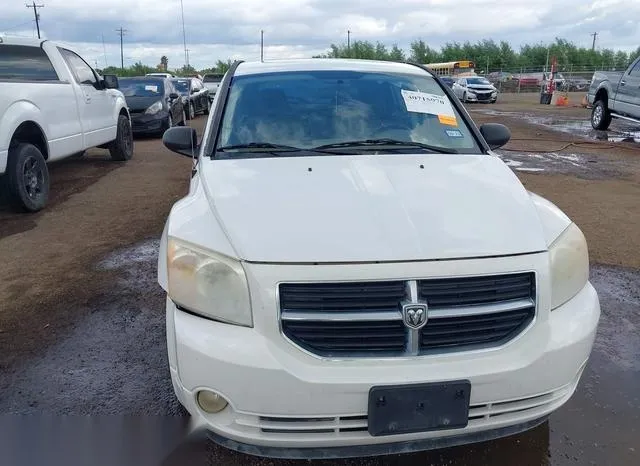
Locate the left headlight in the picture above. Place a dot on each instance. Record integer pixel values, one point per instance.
(569, 260)
(207, 283)
(154, 108)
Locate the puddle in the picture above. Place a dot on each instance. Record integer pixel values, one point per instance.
(134, 264)
(621, 130)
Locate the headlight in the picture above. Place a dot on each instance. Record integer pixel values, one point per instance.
(207, 283)
(154, 108)
(494, 93)
(569, 259)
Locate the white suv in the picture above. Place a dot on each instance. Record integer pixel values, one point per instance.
(355, 272)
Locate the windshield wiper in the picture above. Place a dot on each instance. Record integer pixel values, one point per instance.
(259, 145)
(272, 149)
(375, 143)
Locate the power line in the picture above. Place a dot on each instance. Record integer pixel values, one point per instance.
(36, 14)
(121, 32)
(594, 34)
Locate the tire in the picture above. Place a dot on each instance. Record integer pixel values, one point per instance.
(27, 178)
(121, 148)
(600, 116)
(464, 98)
(167, 125)
(183, 121)
(207, 109)
(192, 111)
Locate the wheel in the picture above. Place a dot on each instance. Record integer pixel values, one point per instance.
(27, 178)
(600, 115)
(192, 111)
(464, 98)
(183, 121)
(121, 148)
(207, 108)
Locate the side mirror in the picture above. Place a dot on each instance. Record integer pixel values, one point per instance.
(181, 139)
(495, 134)
(173, 96)
(110, 81)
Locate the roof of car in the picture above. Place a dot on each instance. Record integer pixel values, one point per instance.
(318, 64)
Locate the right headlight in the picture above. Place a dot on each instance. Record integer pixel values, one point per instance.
(154, 108)
(207, 283)
(569, 260)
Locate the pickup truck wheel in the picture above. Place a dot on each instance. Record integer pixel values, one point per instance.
(207, 109)
(600, 116)
(121, 148)
(27, 178)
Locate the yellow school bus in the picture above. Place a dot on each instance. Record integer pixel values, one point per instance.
(452, 68)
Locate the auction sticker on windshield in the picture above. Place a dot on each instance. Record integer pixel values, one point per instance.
(151, 88)
(433, 104)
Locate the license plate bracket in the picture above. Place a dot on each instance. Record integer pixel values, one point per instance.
(404, 409)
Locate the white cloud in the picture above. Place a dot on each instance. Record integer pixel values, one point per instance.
(221, 29)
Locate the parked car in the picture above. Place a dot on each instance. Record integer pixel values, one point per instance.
(161, 75)
(475, 89)
(615, 95)
(212, 82)
(352, 249)
(53, 105)
(195, 97)
(447, 80)
(154, 103)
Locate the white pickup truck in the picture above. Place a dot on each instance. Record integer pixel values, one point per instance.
(53, 105)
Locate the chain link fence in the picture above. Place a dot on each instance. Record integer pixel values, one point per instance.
(569, 78)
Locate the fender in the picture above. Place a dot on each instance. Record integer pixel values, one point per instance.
(119, 104)
(17, 113)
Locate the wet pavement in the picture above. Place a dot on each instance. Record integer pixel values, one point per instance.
(114, 362)
(620, 130)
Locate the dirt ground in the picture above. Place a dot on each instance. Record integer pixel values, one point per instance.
(80, 309)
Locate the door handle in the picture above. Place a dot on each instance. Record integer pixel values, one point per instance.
(623, 82)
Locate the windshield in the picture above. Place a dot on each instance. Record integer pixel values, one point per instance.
(309, 109)
(141, 87)
(482, 81)
(213, 78)
(181, 85)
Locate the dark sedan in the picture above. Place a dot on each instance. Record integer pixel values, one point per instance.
(154, 104)
(195, 96)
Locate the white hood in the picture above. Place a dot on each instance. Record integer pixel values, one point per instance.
(372, 208)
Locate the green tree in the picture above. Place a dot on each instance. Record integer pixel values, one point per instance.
(421, 53)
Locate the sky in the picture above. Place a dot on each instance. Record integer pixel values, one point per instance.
(222, 29)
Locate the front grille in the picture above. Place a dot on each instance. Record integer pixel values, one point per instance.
(364, 319)
(344, 318)
(483, 96)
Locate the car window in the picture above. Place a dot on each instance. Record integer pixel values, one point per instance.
(477, 81)
(213, 78)
(181, 85)
(20, 62)
(141, 87)
(307, 109)
(80, 69)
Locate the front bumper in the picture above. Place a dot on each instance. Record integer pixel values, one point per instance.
(143, 123)
(285, 402)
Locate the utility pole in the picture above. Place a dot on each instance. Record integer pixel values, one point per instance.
(184, 38)
(349, 42)
(104, 51)
(121, 32)
(593, 46)
(261, 45)
(187, 50)
(36, 14)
